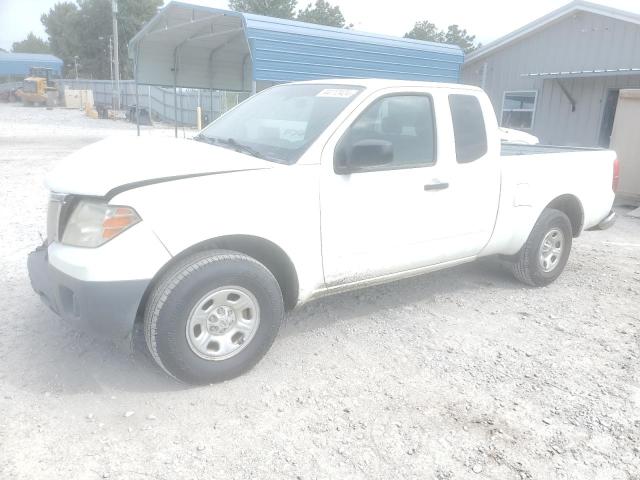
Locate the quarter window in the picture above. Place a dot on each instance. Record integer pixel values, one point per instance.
(405, 121)
(518, 109)
(468, 128)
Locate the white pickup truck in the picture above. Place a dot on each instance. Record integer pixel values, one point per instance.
(303, 190)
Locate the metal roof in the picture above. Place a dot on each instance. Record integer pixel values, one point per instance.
(20, 63)
(562, 12)
(202, 47)
(603, 72)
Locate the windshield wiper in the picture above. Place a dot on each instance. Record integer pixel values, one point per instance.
(229, 142)
(243, 148)
(202, 138)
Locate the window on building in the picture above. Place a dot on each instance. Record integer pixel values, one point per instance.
(518, 109)
(469, 131)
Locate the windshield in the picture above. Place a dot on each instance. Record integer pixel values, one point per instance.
(279, 124)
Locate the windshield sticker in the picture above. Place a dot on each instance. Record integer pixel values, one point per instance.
(337, 92)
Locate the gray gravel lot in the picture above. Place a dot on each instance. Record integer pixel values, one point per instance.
(459, 374)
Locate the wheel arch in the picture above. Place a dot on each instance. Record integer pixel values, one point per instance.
(571, 206)
(272, 256)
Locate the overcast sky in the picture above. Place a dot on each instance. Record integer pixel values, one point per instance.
(488, 19)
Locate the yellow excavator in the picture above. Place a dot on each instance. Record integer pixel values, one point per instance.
(39, 88)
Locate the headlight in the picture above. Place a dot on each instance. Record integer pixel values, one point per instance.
(93, 223)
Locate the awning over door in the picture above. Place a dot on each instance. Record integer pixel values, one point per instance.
(603, 72)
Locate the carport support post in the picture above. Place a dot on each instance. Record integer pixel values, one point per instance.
(137, 108)
(175, 110)
(135, 79)
(175, 92)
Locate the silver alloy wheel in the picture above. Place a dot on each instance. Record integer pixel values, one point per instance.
(222, 323)
(551, 250)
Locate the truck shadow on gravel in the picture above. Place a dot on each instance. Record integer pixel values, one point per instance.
(483, 273)
(67, 362)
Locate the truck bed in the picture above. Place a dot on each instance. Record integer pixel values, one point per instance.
(509, 149)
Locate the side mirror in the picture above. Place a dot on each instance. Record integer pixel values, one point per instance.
(365, 154)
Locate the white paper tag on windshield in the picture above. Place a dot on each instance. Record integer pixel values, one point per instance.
(337, 92)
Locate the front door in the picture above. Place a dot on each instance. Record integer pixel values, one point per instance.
(378, 220)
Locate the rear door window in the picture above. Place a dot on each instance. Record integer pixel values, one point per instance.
(468, 127)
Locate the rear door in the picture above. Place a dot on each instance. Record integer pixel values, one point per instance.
(475, 172)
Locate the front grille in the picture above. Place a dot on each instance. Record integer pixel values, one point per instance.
(60, 206)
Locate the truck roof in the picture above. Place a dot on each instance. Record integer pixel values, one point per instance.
(377, 83)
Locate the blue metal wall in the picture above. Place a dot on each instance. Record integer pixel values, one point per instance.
(285, 50)
(215, 49)
(20, 63)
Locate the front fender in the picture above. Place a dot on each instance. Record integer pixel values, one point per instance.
(278, 205)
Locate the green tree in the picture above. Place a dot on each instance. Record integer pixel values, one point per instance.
(454, 35)
(322, 13)
(93, 29)
(61, 27)
(132, 15)
(426, 31)
(31, 44)
(83, 30)
(457, 36)
(270, 8)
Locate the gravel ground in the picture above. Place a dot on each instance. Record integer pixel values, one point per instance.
(459, 374)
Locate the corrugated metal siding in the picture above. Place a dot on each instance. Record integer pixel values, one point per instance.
(584, 41)
(20, 63)
(227, 50)
(285, 50)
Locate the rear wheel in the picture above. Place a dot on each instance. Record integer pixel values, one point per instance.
(544, 256)
(213, 316)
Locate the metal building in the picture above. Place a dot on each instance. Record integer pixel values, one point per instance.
(18, 64)
(559, 77)
(195, 46)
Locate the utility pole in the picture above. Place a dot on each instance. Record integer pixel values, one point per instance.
(116, 62)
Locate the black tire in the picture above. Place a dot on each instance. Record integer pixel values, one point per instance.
(526, 265)
(179, 290)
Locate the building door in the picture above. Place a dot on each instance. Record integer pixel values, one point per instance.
(608, 116)
(626, 142)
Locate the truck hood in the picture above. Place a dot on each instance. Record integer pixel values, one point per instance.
(131, 161)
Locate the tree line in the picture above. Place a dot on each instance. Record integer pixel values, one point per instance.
(80, 32)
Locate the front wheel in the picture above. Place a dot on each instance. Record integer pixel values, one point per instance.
(213, 316)
(544, 256)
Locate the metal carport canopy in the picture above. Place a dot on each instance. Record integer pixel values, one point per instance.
(195, 46)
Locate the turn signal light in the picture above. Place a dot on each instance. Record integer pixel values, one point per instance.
(122, 218)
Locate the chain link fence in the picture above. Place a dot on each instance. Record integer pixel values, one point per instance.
(163, 104)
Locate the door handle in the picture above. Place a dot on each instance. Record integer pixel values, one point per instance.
(436, 186)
